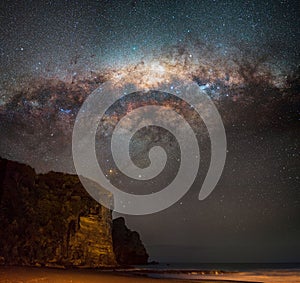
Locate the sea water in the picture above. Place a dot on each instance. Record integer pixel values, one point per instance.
(252, 272)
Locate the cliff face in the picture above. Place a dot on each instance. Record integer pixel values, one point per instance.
(50, 219)
(128, 246)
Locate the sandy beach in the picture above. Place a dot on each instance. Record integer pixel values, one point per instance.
(50, 275)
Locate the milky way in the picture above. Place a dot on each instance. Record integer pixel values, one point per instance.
(244, 56)
(245, 90)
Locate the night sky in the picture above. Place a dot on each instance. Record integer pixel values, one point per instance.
(243, 54)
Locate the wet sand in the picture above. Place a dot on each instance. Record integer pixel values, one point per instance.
(49, 275)
(13, 274)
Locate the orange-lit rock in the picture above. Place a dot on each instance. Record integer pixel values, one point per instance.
(50, 220)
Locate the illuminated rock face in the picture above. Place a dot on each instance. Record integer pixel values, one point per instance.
(90, 244)
(50, 220)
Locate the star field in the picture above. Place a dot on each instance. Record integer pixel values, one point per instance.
(243, 54)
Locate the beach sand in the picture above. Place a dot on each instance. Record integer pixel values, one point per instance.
(50, 275)
(13, 274)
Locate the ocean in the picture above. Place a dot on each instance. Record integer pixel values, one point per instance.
(240, 272)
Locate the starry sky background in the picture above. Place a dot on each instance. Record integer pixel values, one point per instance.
(54, 53)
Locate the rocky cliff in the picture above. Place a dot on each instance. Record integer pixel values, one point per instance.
(128, 246)
(49, 219)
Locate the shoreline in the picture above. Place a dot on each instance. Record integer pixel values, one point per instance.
(24, 274)
(28, 274)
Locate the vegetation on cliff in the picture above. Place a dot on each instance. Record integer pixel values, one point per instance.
(50, 220)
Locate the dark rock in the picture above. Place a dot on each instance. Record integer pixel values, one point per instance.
(128, 247)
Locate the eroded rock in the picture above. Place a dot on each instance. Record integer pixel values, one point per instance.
(49, 219)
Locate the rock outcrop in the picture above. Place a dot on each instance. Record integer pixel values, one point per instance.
(49, 219)
(127, 244)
